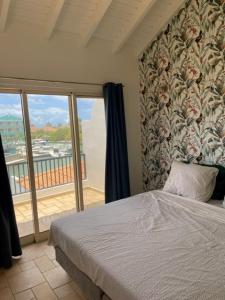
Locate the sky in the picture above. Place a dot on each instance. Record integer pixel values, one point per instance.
(45, 108)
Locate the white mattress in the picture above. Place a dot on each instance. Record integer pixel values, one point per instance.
(151, 246)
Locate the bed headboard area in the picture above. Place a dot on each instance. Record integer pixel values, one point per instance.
(182, 91)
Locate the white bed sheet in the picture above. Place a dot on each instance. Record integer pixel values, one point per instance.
(154, 246)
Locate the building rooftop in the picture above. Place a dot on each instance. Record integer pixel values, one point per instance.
(10, 118)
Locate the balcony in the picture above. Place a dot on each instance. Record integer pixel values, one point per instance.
(54, 182)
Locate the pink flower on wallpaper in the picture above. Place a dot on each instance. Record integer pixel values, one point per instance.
(164, 97)
(162, 61)
(164, 164)
(192, 72)
(193, 150)
(192, 31)
(164, 131)
(193, 111)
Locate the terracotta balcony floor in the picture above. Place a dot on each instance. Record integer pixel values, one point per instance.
(53, 207)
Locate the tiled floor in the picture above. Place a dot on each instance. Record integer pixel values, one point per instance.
(38, 276)
(53, 207)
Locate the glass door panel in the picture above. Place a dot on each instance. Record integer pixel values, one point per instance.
(14, 144)
(92, 140)
(52, 155)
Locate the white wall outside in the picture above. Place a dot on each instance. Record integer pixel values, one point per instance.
(94, 146)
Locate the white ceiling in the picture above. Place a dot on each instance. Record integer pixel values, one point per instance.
(132, 23)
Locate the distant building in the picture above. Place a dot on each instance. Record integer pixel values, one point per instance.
(11, 129)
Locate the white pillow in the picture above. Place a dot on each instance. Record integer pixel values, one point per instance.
(191, 181)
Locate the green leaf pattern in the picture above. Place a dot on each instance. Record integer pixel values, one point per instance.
(182, 91)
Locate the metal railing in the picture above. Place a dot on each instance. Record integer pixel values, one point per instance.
(49, 172)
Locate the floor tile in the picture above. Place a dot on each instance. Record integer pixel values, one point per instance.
(3, 282)
(77, 290)
(26, 295)
(55, 263)
(56, 277)
(50, 252)
(71, 297)
(6, 294)
(53, 205)
(25, 280)
(64, 291)
(15, 269)
(43, 291)
(44, 263)
(27, 265)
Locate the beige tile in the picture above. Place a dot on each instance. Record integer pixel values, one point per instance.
(3, 282)
(21, 219)
(64, 291)
(55, 263)
(6, 294)
(27, 213)
(72, 297)
(25, 280)
(56, 277)
(18, 214)
(43, 291)
(15, 269)
(21, 208)
(27, 265)
(50, 252)
(77, 290)
(41, 206)
(44, 263)
(54, 205)
(26, 295)
(33, 251)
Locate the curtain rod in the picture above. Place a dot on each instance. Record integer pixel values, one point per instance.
(50, 81)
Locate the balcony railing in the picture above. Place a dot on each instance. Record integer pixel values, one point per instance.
(49, 172)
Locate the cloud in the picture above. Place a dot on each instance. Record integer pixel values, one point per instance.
(35, 101)
(45, 108)
(11, 109)
(53, 115)
(35, 98)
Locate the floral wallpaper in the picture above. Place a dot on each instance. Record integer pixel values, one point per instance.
(182, 91)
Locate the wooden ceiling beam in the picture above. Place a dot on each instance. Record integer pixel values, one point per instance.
(142, 11)
(53, 18)
(95, 21)
(4, 12)
(162, 23)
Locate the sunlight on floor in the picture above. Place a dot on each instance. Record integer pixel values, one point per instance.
(53, 207)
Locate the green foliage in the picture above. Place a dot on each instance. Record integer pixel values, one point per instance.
(56, 134)
(182, 91)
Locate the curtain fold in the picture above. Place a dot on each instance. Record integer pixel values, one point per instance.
(9, 237)
(117, 185)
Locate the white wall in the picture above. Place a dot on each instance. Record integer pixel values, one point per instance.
(28, 54)
(94, 146)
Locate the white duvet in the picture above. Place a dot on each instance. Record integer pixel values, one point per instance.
(154, 246)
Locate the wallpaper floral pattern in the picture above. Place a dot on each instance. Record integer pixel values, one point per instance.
(182, 91)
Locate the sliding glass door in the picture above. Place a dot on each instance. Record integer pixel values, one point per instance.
(55, 153)
(14, 143)
(51, 127)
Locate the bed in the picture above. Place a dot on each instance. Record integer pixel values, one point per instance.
(153, 245)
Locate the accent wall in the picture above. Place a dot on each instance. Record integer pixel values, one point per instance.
(182, 92)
